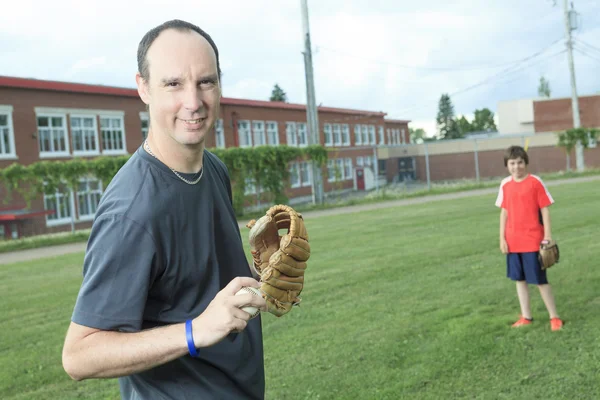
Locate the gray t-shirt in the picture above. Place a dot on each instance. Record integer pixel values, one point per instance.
(159, 252)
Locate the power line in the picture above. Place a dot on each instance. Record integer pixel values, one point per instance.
(438, 69)
(503, 73)
(587, 45)
(593, 57)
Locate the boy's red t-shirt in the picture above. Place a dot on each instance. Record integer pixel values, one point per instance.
(523, 201)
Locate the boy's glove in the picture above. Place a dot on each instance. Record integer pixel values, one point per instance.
(549, 254)
(280, 260)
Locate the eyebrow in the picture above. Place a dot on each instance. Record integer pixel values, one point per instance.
(213, 77)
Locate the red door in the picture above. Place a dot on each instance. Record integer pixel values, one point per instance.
(360, 179)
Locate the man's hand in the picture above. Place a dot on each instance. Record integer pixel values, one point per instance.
(224, 315)
(503, 246)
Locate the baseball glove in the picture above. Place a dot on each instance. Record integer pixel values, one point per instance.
(549, 254)
(280, 261)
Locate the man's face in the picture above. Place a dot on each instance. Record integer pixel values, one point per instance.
(517, 168)
(183, 92)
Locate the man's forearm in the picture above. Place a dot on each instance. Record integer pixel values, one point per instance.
(107, 354)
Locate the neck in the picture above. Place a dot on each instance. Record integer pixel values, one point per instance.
(182, 158)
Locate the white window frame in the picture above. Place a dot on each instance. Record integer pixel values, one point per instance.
(360, 162)
(357, 135)
(365, 134)
(62, 220)
(290, 134)
(592, 142)
(339, 164)
(330, 170)
(337, 134)
(294, 175)
(145, 117)
(272, 133)
(389, 136)
(258, 133)
(95, 136)
(302, 131)
(244, 133)
(52, 153)
(402, 134)
(345, 135)
(219, 134)
(87, 197)
(348, 169)
(12, 154)
(381, 135)
(372, 136)
(304, 167)
(328, 134)
(123, 137)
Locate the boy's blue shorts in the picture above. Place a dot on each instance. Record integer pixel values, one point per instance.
(525, 267)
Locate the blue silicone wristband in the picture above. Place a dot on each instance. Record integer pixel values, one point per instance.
(190, 338)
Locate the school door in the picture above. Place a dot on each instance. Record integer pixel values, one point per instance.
(360, 178)
(406, 169)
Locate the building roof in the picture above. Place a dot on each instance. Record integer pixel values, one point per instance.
(57, 86)
(397, 121)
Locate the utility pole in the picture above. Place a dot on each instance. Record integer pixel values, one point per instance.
(312, 117)
(570, 16)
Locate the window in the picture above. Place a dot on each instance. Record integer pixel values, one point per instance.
(348, 168)
(396, 136)
(84, 134)
(592, 142)
(244, 134)
(389, 136)
(365, 134)
(327, 133)
(258, 133)
(52, 135)
(372, 138)
(302, 138)
(250, 186)
(359, 162)
(294, 175)
(2, 232)
(357, 137)
(382, 164)
(402, 136)
(88, 197)
(330, 170)
(7, 135)
(339, 169)
(272, 133)
(219, 134)
(345, 135)
(113, 135)
(381, 135)
(337, 134)
(290, 133)
(145, 121)
(367, 161)
(62, 204)
(305, 174)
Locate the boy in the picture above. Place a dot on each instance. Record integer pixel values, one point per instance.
(523, 199)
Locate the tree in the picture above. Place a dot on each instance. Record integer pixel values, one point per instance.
(278, 94)
(463, 125)
(483, 121)
(568, 140)
(417, 135)
(447, 126)
(544, 88)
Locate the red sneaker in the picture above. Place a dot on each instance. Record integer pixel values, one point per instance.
(556, 324)
(522, 322)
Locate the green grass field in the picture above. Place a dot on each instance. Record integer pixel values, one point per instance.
(402, 303)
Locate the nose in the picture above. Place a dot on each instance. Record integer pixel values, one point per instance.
(192, 100)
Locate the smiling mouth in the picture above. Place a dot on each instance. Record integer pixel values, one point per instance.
(192, 121)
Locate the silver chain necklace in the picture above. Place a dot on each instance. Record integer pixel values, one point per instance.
(147, 147)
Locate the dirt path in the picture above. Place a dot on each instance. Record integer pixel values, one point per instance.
(43, 252)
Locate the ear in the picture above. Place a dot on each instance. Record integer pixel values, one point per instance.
(142, 88)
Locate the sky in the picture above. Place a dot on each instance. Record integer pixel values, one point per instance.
(378, 55)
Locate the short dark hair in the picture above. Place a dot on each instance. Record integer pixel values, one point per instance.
(514, 152)
(153, 33)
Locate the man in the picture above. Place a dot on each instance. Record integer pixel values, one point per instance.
(157, 307)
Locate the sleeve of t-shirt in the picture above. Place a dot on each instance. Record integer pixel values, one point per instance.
(544, 199)
(117, 274)
(500, 199)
